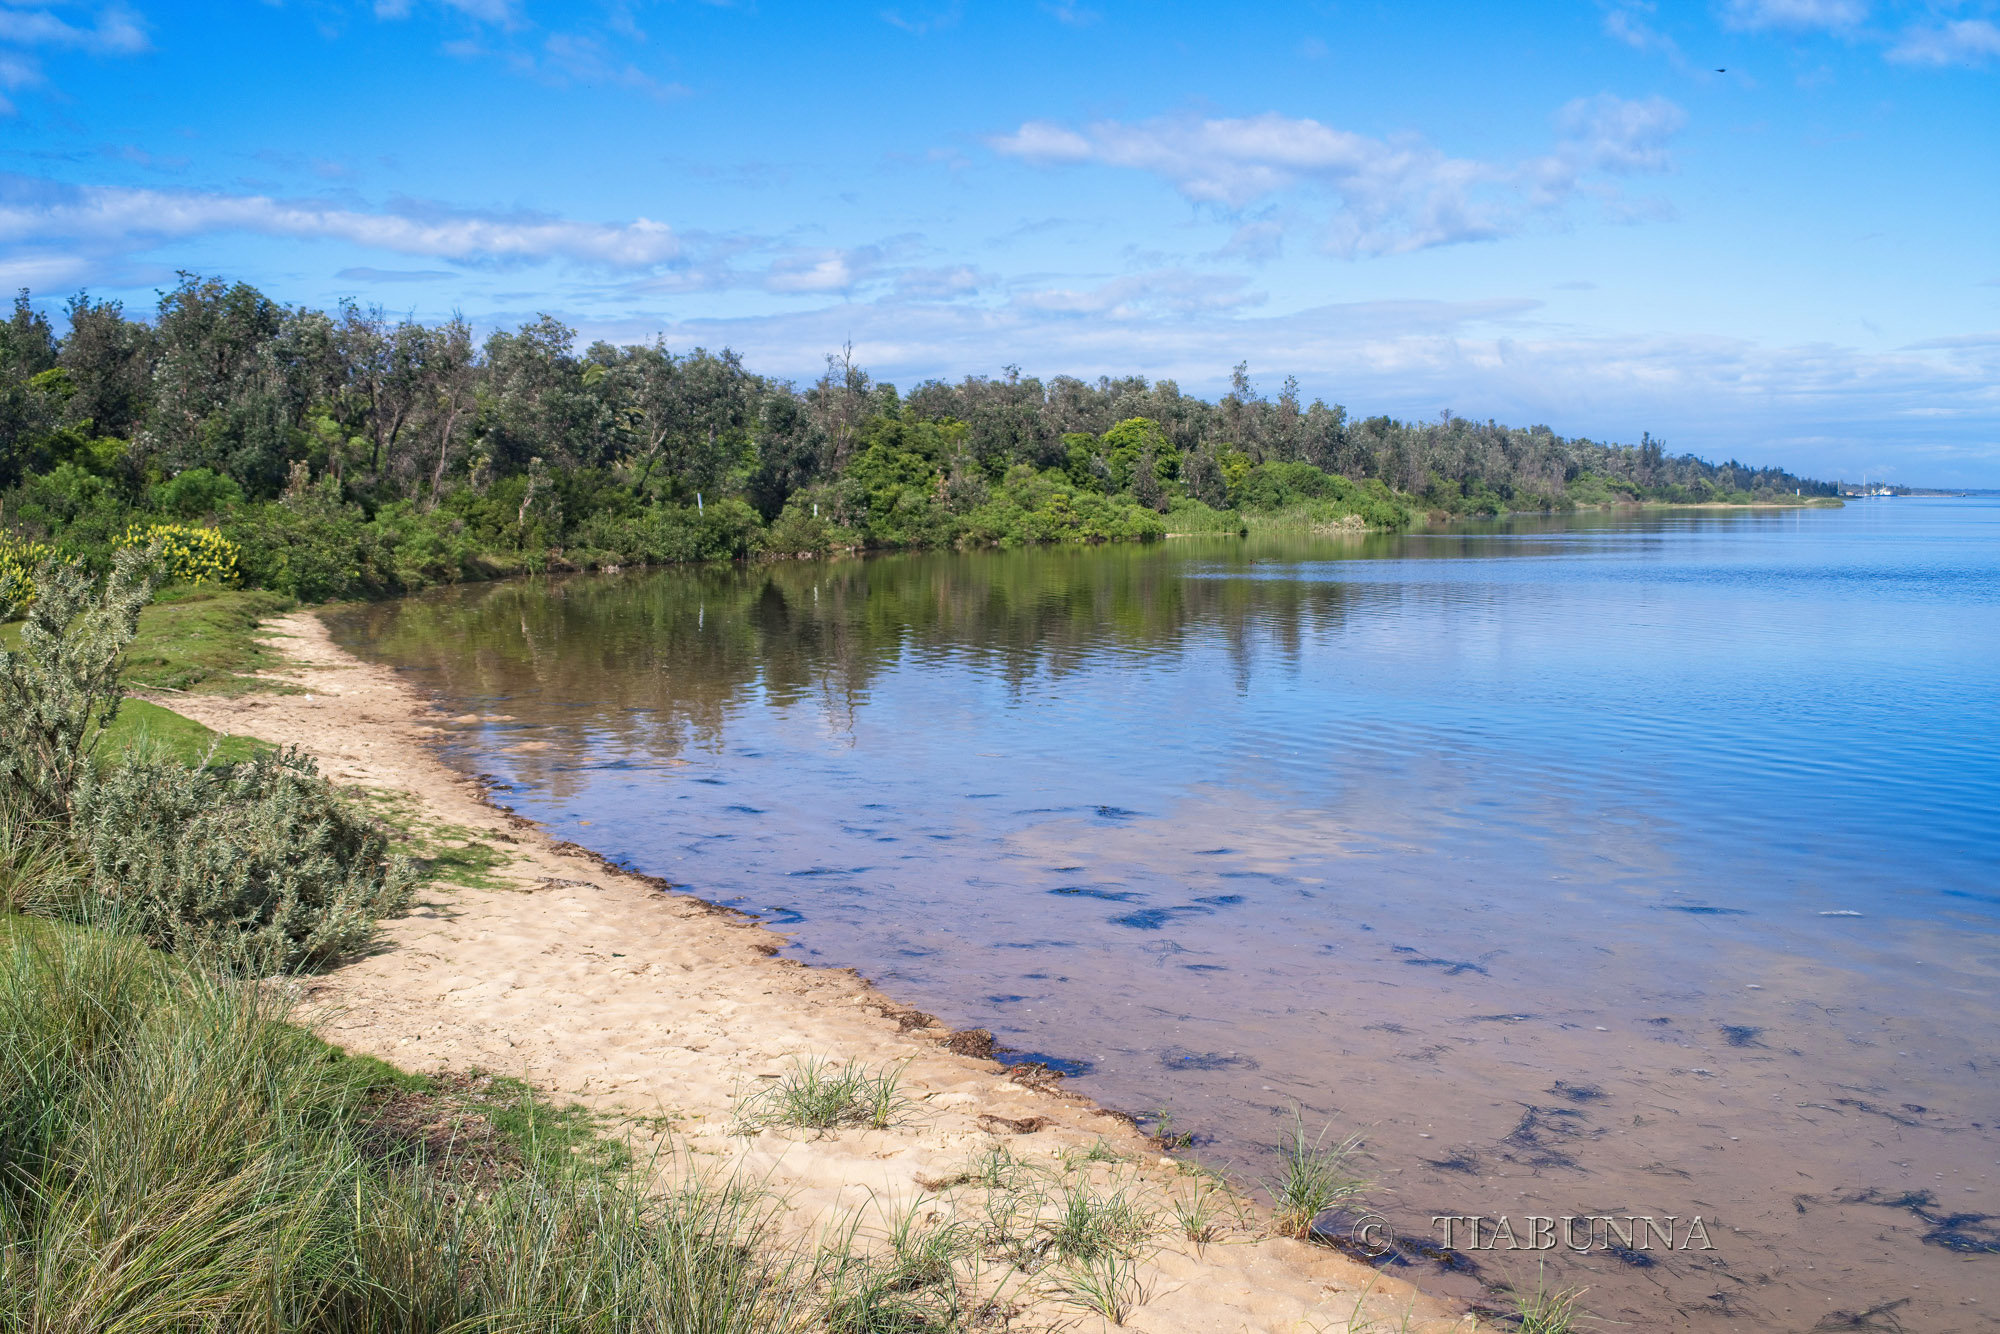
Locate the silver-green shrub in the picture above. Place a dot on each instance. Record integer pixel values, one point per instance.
(60, 688)
(258, 867)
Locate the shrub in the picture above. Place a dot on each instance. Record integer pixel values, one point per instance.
(798, 531)
(60, 689)
(312, 548)
(186, 554)
(197, 492)
(18, 560)
(674, 534)
(260, 866)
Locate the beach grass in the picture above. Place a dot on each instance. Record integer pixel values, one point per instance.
(819, 1094)
(1313, 1176)
(1549, 1310)
(182, 1155)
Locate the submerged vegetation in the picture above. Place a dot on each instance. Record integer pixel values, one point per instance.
(322, 455)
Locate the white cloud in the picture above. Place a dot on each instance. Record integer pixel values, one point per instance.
(114, 30)
(1959, 42)
(1394, 195)
(1162, 292)
(1826, 15)
(825, 270)
(117, 219)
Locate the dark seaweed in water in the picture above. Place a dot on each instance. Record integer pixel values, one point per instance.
(1627, 1256)
(1577, 1092)
(1966, 1233)
(1180, 1058)
(1152, 919)
(1092, 892)
(1452, 967)
(1465, 1161)
(1703, 910)
(1741, 1035)
(1072, 1066)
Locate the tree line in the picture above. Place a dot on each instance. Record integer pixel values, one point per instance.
(348, 453)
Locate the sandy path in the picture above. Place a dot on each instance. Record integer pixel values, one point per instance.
(598, 986)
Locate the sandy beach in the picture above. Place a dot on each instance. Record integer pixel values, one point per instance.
(610, 990)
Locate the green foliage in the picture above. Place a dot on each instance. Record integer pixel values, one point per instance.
(179, 1156)
(312, 547)
(258, 866)
(724, 529)
(197, 493)
(61, 686)
(1190, 517)
(352, 457)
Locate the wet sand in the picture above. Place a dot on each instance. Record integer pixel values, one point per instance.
(599, 986)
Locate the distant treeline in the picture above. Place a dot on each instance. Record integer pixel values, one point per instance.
(346, 454)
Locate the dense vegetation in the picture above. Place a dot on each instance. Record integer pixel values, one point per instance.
(341, 454)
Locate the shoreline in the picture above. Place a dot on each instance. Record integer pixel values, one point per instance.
(642, 1002)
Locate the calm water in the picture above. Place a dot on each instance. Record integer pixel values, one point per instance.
(1630, 865)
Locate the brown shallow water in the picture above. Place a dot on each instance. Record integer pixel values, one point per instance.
(1601, 867)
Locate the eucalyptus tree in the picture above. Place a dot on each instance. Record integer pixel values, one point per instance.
(384, 370)
(537, 403)
(221, 395)
(447, 397)
(688, 418)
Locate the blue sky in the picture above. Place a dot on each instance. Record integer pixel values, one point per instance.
(1760, 228)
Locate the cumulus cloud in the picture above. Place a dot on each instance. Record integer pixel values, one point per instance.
(1958, 42)
(114, 219)
(1393, 195)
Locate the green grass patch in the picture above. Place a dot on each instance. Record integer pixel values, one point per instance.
(204, 639)
(140, 726)
(447, 853)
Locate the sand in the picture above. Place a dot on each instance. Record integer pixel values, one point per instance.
(605, 989)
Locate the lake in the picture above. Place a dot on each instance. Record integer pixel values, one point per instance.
(1636, 864)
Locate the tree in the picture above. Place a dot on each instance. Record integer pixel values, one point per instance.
(688, 416)
(110, 362)
(447, 392)
(537, 404)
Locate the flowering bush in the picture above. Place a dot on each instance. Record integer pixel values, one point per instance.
(18, 560)
(188, 555)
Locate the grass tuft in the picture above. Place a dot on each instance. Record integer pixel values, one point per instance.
(819, 1094)
(1313, 1177)
(1549, 1310)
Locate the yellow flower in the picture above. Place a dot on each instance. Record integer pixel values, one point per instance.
(188, 554)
